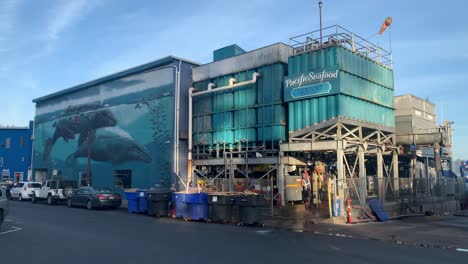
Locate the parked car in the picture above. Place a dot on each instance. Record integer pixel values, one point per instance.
(53, 191)
(3, 206)
(24, 190)
(94, 198)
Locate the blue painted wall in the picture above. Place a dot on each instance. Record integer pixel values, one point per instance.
(17, 158)
(129, 122)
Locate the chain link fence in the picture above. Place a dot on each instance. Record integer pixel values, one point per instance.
(405, 192)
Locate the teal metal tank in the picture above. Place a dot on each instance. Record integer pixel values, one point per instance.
(335, 82)
(253, 113)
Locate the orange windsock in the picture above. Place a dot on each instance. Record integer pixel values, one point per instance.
(385, 25)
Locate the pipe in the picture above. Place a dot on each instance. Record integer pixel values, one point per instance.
(211, 86)
(177, 135)
(189, 165)
(231, 85)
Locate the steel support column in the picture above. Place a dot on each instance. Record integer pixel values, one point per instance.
(362, 176)
(396, 172)
(281, 185)
(380, 175)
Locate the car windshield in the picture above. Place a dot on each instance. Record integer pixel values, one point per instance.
(102, 190)
(19, 185)
(34, 185)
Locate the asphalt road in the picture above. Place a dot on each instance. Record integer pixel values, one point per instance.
(38, 233)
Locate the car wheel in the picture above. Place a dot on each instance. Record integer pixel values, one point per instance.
(33, 198)
(50, 201)
(69, 202)
(89, 205)
(20, 198)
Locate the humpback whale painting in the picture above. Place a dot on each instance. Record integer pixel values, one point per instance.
(68, 127)
(113, 146)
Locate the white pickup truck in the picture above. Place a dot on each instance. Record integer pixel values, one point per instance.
(53, 191)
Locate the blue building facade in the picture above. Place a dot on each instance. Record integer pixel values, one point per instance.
(15, 152)
(133, 123)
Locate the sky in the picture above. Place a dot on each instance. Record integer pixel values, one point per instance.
(50, 45)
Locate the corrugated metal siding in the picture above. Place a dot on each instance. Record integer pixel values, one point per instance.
(355, 108)
(251, 113)
(365, 89)
(346, 60)
(410, 101)
(312, 111)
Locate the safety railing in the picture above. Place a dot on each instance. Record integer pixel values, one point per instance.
(337, 35)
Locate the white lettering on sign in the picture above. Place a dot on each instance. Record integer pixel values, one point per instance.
(311, 77)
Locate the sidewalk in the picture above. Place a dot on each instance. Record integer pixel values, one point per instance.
(434, 231)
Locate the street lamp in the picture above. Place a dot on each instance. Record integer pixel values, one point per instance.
(88, 173)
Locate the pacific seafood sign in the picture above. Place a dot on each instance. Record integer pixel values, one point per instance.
(311, 77)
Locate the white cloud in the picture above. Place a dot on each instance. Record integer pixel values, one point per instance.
(65, 16)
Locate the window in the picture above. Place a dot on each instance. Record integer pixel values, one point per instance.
(34, 185)
(48, 184)
(122, 179)
(20, 185)
(22, 141)
(7, 143)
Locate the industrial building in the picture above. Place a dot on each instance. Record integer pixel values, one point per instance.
(15, 152)
(321, 104)
(130, 126)
(248, 121)
(425, 147)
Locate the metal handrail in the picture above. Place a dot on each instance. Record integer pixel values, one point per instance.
(337, 35)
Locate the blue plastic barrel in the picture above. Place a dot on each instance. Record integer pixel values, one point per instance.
(132, 198)
(143, 201)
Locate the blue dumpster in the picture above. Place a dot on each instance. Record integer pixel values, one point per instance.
(181, 207)
(193, 206)
(198, 206)
(143, 201)
(132, 198)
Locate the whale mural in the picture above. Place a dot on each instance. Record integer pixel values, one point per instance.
(113, 148)
(81, 125)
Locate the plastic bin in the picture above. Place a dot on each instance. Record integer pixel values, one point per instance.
(249, 209)
(158, 202)
(191, 206)
(181, 207)
(198, 206)
(143, 201)
(132, 198)
(220, 207)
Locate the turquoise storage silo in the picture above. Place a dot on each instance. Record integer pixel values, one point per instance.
(334, 81)
(252, 114)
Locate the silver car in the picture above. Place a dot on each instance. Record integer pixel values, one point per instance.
(3, 205)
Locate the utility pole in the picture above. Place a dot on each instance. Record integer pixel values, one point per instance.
(88, 175)
(320, 11)
(88, 172)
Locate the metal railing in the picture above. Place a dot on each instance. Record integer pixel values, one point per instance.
(337, 35)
